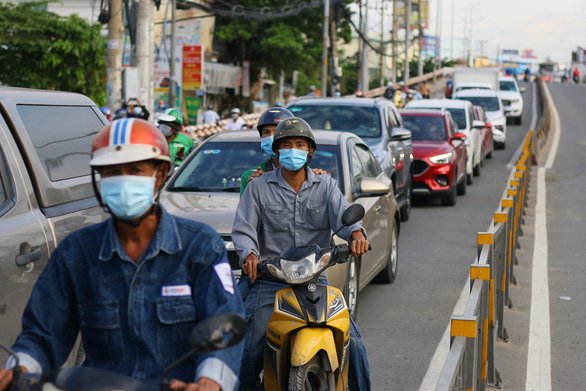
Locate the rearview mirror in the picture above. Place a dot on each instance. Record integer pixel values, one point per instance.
(459, 136)
(370, 187)
(400, 134)
(477, 124)
(353, 214)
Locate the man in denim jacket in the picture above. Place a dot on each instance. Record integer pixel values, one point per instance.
(136, 284)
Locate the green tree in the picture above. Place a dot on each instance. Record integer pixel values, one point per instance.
(43, 50)
(279, 44)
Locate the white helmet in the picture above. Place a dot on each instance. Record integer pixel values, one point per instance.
(235, 110)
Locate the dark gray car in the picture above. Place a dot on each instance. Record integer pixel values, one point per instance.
(379, 124)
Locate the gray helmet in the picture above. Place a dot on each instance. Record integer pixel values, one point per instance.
(293, 127)
(273, 116)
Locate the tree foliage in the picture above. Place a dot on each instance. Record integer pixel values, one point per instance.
(279, 44)
(43, 50)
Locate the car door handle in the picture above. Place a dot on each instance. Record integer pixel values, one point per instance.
(377, 208)
(34, 255)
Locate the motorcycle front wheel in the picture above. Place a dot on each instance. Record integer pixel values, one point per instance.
(308, 377)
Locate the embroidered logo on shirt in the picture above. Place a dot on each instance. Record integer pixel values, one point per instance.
(225, 273)
(176, 290)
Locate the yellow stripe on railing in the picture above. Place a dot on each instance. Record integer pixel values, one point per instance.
(463, 327)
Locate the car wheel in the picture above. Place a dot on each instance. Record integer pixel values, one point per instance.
(489, 155)
(461, 188)
(388, 274)
(469, 179)
(406, 208)
(476, 169)
(450, 199)
(351, 286)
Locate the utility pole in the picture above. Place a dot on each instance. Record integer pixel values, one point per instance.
(407, 33)
(144, 51)
(393, 43)
(364, 62)
(334, 70)
(324, 56)
(382, 44)
(437, 39)
(172, 80)
(471, 58)
(114, 55)
(420, 39)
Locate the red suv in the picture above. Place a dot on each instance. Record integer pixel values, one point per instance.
(439, 154)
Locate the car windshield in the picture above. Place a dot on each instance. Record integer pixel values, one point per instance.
(506, 85)
(425, 128)
(487, 103)
(218, 166)
(360, 120)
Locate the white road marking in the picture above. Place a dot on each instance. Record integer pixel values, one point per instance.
(539, 347)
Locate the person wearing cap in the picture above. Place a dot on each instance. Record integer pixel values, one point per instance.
(289, 206)
(180, 143)
(267, 123)
(136, 284)
(235, 122)
(312, 91)
(210, 116)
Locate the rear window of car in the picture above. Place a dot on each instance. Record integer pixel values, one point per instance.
(362, 121)
(218, 166)
(507, 85)
(459, 115)
(486, 102)
(425, 128)
(62, 137)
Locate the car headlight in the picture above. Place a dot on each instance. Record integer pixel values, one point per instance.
(441, 159)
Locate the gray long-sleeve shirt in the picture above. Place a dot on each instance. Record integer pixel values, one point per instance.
(271, 217)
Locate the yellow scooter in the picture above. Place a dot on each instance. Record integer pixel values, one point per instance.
(308, 335)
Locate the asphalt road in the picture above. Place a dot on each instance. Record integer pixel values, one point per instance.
(402, 323)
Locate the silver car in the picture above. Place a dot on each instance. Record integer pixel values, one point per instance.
(206, 188)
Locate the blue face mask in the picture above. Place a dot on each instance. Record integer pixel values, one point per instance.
(128, 196)
(292, 159)
(267, 145)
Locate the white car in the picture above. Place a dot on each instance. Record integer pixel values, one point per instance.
(510, 95)
(472, 86)
(495, 112)
(463, 114)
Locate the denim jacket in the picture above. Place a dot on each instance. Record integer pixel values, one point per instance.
(135, 318)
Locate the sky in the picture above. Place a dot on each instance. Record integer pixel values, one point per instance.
(551, 28)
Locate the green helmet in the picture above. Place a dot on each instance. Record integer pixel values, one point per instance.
(172, 116)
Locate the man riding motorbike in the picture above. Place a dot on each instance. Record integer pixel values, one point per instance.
(136, 284)
(171, 125)
(287, 207)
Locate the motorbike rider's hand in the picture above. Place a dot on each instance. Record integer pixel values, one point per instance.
(203, 384)
(249, 266)
(255, 173)
(319, 171)
(6, 377)
(359, 244)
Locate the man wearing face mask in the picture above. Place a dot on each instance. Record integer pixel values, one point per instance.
(278, 210)
(180, 144)
(267, 123)
(236, 122)
(136, 284)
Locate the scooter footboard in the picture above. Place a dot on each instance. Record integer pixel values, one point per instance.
(308, 341)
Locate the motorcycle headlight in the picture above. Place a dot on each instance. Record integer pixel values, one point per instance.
(441, 159)
(300, 271)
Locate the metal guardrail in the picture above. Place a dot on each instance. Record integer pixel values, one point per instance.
(471, 362)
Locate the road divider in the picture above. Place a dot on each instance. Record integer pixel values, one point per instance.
(471, 362)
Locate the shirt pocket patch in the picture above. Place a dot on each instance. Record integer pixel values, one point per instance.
(275, 217)
(177, 317)
(101, 333)
(317, 215)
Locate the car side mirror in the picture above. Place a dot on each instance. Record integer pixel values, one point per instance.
(459, 136)
(371, 187)
(400, 134)
(477, 124)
